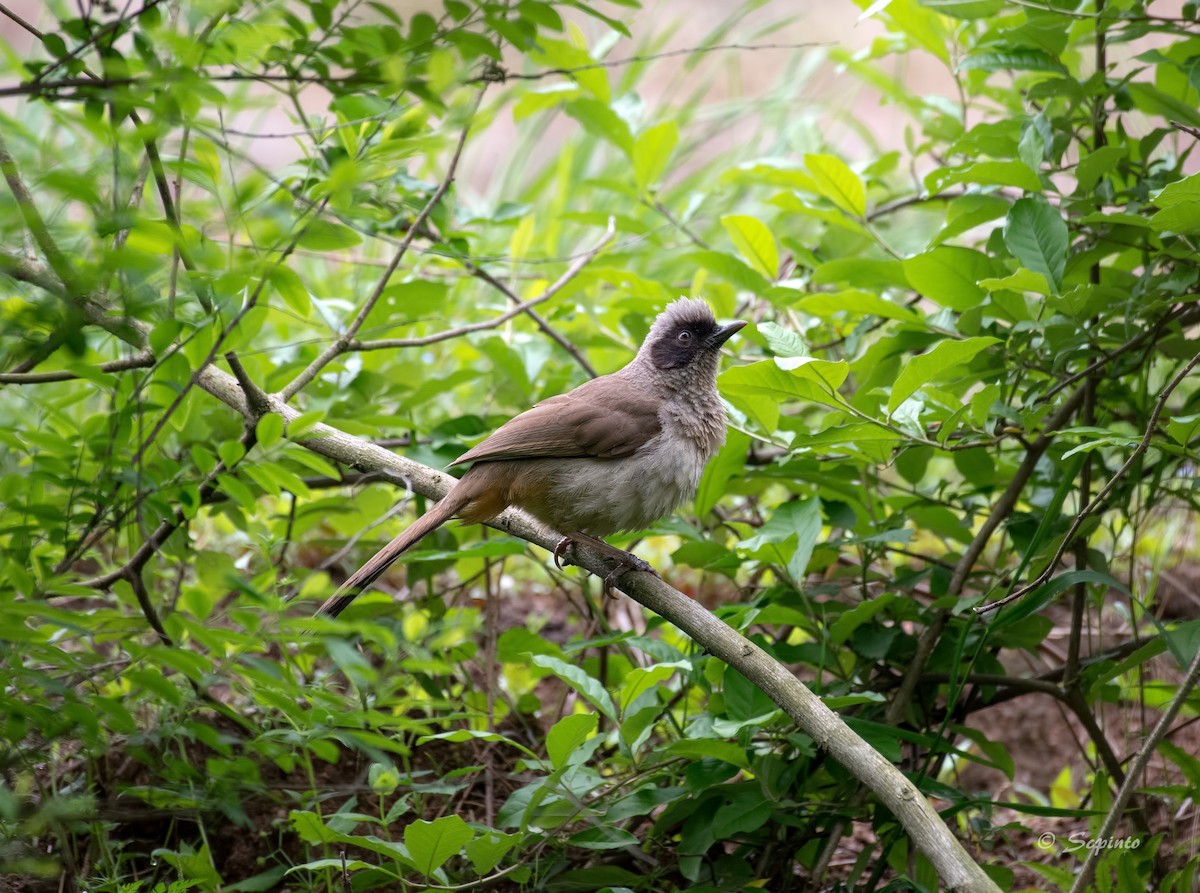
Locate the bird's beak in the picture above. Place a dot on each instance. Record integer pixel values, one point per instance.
(723, 334)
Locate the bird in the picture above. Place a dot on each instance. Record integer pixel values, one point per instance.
(615, 454)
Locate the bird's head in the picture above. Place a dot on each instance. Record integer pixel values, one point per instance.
(686, 335)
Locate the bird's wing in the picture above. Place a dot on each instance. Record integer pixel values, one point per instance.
(599, 419)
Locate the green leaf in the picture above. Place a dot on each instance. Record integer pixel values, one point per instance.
(1185, 191)
(798, 520)
(729, 461)
(236, 490)
(604, 837)
(761, 387)
(988, 173)
(836, 182)
(651, 152)
(964, 9)
(578, 679)
(460, 735)
(315, 865)
(1183, 219)
(856, 303)
(1036, 234)
(1180, 203)
(732, 269)
(292, 290)
(601, 121)
(861, 273)
(323, 235)
(1184, 429)
(430, 844)
(949, 276)
(1155, 102)
(754, 242)
(782, 342)
(641, 679)
(922, 369)
(269, 429)
(851, 620)
(708, 749)
(563, 54)
(1023, 59)
(1023, 280)
(486, 850)
(567, 735)
(1096, 164)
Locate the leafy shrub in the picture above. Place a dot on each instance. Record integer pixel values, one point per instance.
(970, 376)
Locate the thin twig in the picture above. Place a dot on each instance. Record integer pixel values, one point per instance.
(150, 547)
(139, 360)
(1183, 317)
(1100, 497)
(1083, 881)
(1001, 510)
(134, 576)
(538, 319)
(341, 344)
(171, 211)
(523, 307)
(496, 74)
(33, 218)
(1191, 131)
(95, 38)
(355, 80)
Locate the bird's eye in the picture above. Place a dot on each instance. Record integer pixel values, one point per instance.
(685, 337)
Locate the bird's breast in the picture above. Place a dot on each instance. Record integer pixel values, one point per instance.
(604, 496)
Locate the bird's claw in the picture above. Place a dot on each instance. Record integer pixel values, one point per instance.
(563, 544)
(629, 563)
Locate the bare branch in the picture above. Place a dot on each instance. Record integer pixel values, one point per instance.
(1191, 131)
(256, 399)
(140, 360)
(134, 576)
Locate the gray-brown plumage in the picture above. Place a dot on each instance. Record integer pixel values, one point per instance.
(617, 453)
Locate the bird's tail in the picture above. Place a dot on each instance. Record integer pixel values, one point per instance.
(454, 501)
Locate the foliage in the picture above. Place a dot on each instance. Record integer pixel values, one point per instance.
(968, 374)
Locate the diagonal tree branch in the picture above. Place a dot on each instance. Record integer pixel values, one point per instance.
(140, 360)
(957, 870)
(955, 867)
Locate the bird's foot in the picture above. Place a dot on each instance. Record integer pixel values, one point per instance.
(624, 562)
(563, 544)
(629, 562)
